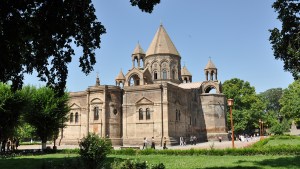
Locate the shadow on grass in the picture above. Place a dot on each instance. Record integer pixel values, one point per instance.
(235, 167)
(48, 163)
(281, 162)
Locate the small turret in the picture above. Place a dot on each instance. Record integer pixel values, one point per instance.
(211, 71)
(120, 79)
(139, 55)
(186, 75)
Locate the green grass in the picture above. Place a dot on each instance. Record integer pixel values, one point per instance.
(34, 161)
(182, 160)
(170, 161)
(229, 162)
(276, 141)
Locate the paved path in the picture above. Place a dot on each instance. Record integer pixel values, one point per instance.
(205, 145)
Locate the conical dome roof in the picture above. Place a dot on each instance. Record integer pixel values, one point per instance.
(138, 49)
(185, 72)
(120, 76)
(161, 44)
(210, 65)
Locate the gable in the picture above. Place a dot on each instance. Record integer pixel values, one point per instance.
(144, 101)
(96, 101)
(75, 106)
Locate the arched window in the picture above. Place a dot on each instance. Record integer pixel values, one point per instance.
(173, 74)
(96, 113)
(71, 117)
(76, 117)
(148, 116)
(134, 80)
(164, 74)
(141, 117)
(155, 75)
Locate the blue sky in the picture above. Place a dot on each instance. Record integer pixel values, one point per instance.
(233, 33)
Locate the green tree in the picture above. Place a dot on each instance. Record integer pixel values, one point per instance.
(271, 97)
(93, 151)
(286, 42)
(248, 108)
(11, 106)
(41, 35)
(47, 112)
(290, 101)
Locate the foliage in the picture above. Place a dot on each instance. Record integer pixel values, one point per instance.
(38, 35)
(286, 42)
(136, 164)
(41, 36)
(290, 101)
(11, 106)
(271, 97)
(24, 132)
(47, 112)
(247, 108)
(280, 128)
(93, 150)
(145, 5)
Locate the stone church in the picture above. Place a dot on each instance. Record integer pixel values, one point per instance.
(155, 98)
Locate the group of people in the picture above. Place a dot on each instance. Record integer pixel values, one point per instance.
(182, 141)
(9, 144)
(145, 143)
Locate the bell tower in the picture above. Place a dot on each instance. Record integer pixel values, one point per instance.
(138, 55)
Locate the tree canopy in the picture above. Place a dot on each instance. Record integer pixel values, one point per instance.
(47, 112)
(286, 41)
(41, 36)
(247, 108)
(11, 106)
(290, 101)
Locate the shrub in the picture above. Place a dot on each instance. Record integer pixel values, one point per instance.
(135, 164)
(93, 151)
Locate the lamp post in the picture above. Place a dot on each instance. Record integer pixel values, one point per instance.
(261, 126)
(230, 104)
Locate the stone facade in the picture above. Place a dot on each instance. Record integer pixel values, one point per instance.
(156, 98)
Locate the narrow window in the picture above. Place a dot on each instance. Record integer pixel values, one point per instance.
(190, 120)
(96, 113)
(173, 74)
(164, 74)
(148, 114)
(71, 117)
(179, 115)
(76, 117)
(176, 114)
(141, 117)
(195, 121)
(155, 75)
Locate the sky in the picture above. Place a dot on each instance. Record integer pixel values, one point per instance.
(234, 34)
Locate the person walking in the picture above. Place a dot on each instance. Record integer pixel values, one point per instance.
(165, 143)
(181, 141)
(153, 143)
(145, 142)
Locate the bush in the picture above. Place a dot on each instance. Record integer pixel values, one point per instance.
(93, 151)
(135, 164)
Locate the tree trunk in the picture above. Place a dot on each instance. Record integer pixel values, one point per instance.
(44, 145)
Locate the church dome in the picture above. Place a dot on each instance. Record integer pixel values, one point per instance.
(161, 44)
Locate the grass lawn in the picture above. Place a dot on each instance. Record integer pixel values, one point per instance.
(219, 162)
(171, 161)
(276, 142)
(34, 161)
